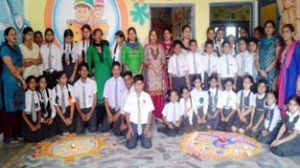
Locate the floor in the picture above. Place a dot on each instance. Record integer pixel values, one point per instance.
(165, 153)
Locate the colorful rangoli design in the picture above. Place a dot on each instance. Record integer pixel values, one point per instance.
(219, 145)
(72, 147)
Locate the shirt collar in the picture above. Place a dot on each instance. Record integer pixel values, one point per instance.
(294, 115)
(261, 96)
(272, 106)
(246, 92)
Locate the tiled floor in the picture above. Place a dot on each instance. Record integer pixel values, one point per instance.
(164, 154)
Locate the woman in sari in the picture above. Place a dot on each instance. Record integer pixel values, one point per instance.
(289, 72)
(155, 64)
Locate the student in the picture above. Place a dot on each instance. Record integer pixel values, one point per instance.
(233, 46)
(64, 104)
(116, 50)
(200, 101)
(128, 79)
(210, 62)
(114, 89)
(187, 109)
(228, 67)
(245, 63)
(244, 32)
(84, 44)
(32, 129)
(186, 38)
(213, 113)
(86, 100)
(244, 105)
(194, 61)
(172, 116)
(178, 69)
(38, 38)
(138, 108)
(48, 112)
(287, 141)
(227, 106)
(218, 41)
(272, 122)
(259, 111)
(69, 56)
(253, 44)
(51, 55)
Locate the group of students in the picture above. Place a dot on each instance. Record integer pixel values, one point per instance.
(87, 85)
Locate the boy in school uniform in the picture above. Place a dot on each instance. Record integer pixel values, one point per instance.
(51, 56)
(228, 66)
(113, 92)
(178, 69)
(194, 61)
(138, 108)
(227, 106)
(128, 79)
(172, 116)
(210, 62)
(85, 95)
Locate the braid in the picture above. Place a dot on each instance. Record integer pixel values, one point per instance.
(69, 93)
(64, 55)
(70, 54)
(82, 52)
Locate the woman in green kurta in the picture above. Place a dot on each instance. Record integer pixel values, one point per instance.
(100, 62)
(132, 53)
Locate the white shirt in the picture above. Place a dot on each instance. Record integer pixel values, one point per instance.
(218, 47)
(291, 119)
(245, 94)
(28, 101)
(124, 98)
(90, 89)
(57, 91)
(227, 100)
(82, 46)
(187, 109)
(131, 107)
(116, 52)
(55, 57)
(257, 96)
(210, 62)
(231, 70)
(171, 115)
(181, 69)
(200, 99)
(69, 49)
(43, 97)
(275, 120)
(110, 90)
(245, 63)
(197, 66)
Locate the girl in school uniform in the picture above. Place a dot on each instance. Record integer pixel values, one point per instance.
(48, 112)
(259, 110)
(233, 45)
(84, 44)
(218, 41)
(210, 62)
(245, 63)
(195, 61)
(116, 50)
(186, 38)
(253, 43)
(178, 69)
(200, 101)
(287, 142)
(51, 55)
(272, 122)
(213, 113)
(187, 109)
(244, 106)
(210, 35)
(227, 106)
(32, 129)
(172, 116)
(64, 104)
(228, 66)
(69, 56)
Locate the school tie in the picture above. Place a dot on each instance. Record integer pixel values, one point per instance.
(174, 114)
(116, 96)
(270, 117)
(208, 70)
(63, 102)
(45, 104)
(213, 101)
(67, 56)
(49, 59)
(83, 96)
(195, 64)
(227, 65)
(33, 110)
(227, 102)
(243, 102)
(139, 129)
(177, 66)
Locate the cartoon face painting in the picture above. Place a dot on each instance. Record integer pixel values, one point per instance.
(83, 13)
(98, 12)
